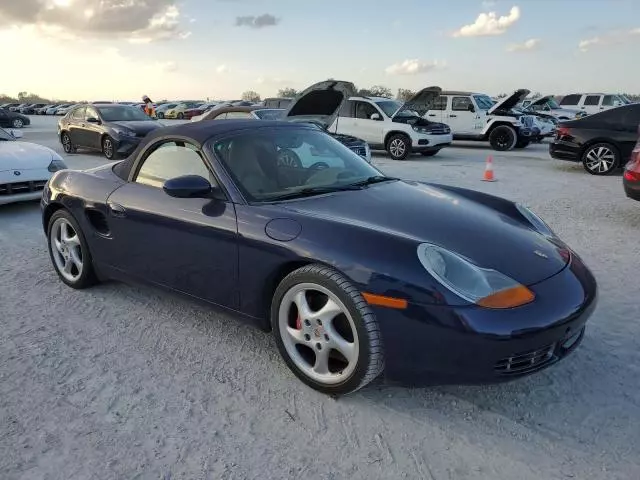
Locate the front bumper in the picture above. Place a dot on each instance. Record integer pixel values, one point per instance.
(427, 142)
(431, 344)
(126, 145)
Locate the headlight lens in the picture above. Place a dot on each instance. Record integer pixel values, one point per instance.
(56, 164)
(482, 286)
(535, 221)
(419, 129)
(125, 132)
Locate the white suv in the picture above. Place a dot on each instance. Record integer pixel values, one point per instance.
(383, 123)
(475, 116)
(591, 102)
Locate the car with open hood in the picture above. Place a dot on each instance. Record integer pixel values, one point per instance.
(475, 116)
(25, 168)
(111, 128)
(383, 123)
(547, 106)
(260, 112)
(356, 274)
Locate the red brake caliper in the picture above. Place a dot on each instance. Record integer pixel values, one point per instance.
(298, 323)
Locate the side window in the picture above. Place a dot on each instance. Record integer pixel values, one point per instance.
(365, 110)
(440, 103)
(592, 100)
(460, 104)
(220, 116)
(78, 114)
(91, 112)
(570, 100)
(347, 109)
(170, 160)
(607, 101)
(238, 115)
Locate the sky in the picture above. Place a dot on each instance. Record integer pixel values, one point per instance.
(198, 49)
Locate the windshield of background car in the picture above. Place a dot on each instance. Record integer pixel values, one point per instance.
(121, 114)
(389, 107)
(269, 163)
(269, 113)
(484, 102)
(553, 105)
(5, 136)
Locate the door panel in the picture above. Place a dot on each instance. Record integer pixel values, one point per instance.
(187, 244)
(92, 131)
(76, 127)
(459, 118)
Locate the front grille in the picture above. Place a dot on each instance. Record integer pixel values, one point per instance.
(359, 150)
(525, 362)
(21, 187)
(439, 130)
(527, 120)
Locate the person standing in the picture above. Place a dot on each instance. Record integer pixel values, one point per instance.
(148, 106)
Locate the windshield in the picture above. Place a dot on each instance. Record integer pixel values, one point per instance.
(284, 162)
(389, 107)
(553, 105)
(484, 102)
(5, 136)
(118, 113)
(269, 113)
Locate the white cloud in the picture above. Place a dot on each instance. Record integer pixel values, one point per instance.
(608, 39)
(413, 67)
(489, 24)
(529, 45)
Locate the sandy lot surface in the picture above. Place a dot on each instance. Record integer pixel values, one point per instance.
(122, 382)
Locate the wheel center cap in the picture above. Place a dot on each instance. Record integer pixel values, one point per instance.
(318, 332)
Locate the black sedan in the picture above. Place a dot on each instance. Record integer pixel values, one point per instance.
(460, 286)
(9, 119)
(113, 129)
(602, 141)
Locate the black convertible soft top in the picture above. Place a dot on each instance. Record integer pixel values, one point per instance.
(199, 133)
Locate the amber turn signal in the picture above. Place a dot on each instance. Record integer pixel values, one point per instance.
(508, 298)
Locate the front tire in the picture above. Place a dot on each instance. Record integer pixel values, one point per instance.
(108, 148)
(181, 116)
(601, 159)
(17, 123)
(160, 115)
(325, 331)
(503, 138)
(399, 146)
(69, 251)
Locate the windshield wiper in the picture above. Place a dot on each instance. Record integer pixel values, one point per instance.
(372, 180)
(310, 191)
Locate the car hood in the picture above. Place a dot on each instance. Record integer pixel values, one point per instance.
(421, 102)
(320, 102)
(24, 156)
(489, 238)
(507, 103)
(138, 126)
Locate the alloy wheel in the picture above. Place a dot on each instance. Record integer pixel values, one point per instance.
(318, 333)
(66, 250)
(66, 143)
(397, 147)
(107, 148)
(18, 123)
(600, 159)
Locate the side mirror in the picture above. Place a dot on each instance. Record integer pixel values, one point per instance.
(93, 120)
(471, 108)
(188, 186)
(375, 116)
(15, 133)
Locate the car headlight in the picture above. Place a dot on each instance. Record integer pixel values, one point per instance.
(125, 132)
(419, 129)
(537, 223)
(56, 164)
(481, 286)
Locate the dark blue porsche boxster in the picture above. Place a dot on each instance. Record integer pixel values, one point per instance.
(357, 274)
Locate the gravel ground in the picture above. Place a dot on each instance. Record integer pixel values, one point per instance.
(122, 382)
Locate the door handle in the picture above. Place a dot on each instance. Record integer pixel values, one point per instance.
(432, 115)
(452, 116)
(116, 209)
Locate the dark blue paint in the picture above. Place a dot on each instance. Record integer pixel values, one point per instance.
(232, 254)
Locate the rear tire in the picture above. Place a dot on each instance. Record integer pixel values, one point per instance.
(160, 115)
(601, 159)
(66, 143)
(324, 329)
(181, 116)
(503, 138)
(67, 245)
(399, 146)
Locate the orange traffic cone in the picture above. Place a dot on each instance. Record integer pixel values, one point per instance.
(488, 170)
